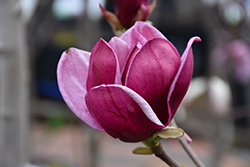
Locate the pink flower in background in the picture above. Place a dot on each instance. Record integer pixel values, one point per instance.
(127, 12)
(238, 53)
(129, 87)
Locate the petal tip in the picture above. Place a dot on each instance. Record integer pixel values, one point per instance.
(196, 38)
(102, 9)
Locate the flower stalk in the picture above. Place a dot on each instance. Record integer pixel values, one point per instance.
(154, 144)
(159, 152)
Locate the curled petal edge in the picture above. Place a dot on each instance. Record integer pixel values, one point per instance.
(183, 61)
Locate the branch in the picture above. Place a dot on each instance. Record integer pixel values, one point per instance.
(188, 149)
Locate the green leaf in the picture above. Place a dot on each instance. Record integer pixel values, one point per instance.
(170, 132)
(143, 151)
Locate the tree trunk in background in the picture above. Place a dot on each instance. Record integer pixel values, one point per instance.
(14, 86)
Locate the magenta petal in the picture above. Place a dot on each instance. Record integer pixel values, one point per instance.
(104, 67)
(182, 80)
(151, 73)
(126, 10)
(121, 50)
(122, 113)
(72, 73)
(143, 29)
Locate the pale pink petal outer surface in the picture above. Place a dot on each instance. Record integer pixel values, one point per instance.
(121, 50)
(151, 73)
(72, 72)
(122, 112)
(182, 79)
(103, 67)
(140, 33)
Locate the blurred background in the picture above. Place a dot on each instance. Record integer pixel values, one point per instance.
(38, 130)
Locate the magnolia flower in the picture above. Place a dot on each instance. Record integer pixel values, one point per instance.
(128, 87)
(127, 12)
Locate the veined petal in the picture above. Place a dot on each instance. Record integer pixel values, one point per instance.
(146, 108)
(122, 113)
(72, 72)
(151, 73)
(182, 79)
(104, 67)
(141, 29)
(121, 50)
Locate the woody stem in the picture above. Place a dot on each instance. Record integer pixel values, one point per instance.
(188, 149)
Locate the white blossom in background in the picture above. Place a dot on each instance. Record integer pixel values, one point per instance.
(64, 9)
(219, 95)
(233, 13)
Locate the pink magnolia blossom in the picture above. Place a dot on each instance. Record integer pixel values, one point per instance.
(128, 87)
(127, 12)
